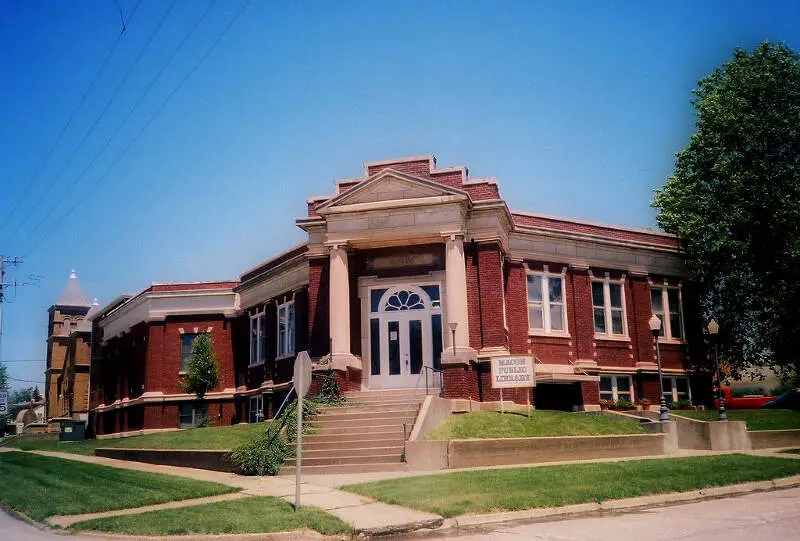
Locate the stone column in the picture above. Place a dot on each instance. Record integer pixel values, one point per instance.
(341, 355)
(455, 301)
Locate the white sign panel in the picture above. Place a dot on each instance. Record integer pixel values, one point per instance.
(509, 372)
(302, 373)
(3, 402)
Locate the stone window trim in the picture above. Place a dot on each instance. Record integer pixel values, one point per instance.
(259, 319)
(546, 329)
(608, 310)
(668, 336)
(286, 337)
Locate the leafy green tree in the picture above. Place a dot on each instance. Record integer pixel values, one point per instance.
(3, 378)
(202, 370)
(734, 199)
(36, 394)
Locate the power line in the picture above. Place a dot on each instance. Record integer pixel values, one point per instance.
(125, 119)
(25, 361)
(68, 123)
(143, 128)
(26, 380)
(94, 124)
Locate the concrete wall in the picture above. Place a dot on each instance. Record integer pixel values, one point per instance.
(765, 439)
(711, 435)
(425, 455)
(433, 412)
(206, 460)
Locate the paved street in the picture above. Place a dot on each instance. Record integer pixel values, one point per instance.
(12, 529)
(773, 516)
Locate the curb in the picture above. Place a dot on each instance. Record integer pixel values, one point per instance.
(627, 504)
(429, 524)
(295, 535)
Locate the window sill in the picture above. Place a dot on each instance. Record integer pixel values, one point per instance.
(545, 334)
(662, 340)
(612, 338)
(253, 365)
(284, 357)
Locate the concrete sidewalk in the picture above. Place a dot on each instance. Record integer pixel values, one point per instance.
(365, 515)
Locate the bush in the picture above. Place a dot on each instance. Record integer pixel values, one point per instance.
(622, 404)
(265, 454)
(330, 393)
(782, 388)
(738, 393)
(681, 405)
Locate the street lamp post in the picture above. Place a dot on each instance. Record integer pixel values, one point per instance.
(655, 327)
(453, 326)
(713, 331)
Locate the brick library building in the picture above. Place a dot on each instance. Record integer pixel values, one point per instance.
(411, 275)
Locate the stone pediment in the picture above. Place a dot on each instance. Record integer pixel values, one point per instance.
(391, 186)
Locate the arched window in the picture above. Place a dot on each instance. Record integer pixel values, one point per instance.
(404, 300)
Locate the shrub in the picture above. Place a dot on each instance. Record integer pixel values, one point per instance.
(737, 393)
(606, 404)
(681, 405)
(623, 404)
(330, 393)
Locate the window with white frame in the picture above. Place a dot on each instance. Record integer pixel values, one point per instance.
(255, 412)
(286, 329)
(608, 306)
(676, 388)
(192, 415)
(616, 388)
(547, 310)
(666, 304)
(258, 337)
(187, 345)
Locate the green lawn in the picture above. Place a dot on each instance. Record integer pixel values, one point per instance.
(485, 491)
(41, 487)
(487, 424)
(218, 437)
(755, 419)
(247, 515)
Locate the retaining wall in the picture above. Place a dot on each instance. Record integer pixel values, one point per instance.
(216, 460)
(766, 439)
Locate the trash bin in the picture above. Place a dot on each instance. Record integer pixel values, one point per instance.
(72, 430)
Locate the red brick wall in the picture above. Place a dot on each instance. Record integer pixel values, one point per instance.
(492, 331)
(460, 381)
(318, 306)
(638, 318)
(517, 308)
(590, 390)
(473, 296)
(481, 191)
(581, 318)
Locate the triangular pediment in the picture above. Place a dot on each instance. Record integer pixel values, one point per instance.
(390, 185)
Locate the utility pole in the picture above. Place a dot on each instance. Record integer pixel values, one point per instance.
(15, 261)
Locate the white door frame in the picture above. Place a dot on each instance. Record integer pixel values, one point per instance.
(404, 379)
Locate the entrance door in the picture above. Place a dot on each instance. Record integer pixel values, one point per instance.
(403, 326)
(404, 349)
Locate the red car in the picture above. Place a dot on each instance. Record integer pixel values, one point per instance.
(741, 402)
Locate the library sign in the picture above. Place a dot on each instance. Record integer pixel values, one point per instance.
(510, 372)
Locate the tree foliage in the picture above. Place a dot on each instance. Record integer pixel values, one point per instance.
(734, 199)
(202, 370)
(3, 377)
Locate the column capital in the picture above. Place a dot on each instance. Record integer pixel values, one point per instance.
(333, 246)
(453, 236)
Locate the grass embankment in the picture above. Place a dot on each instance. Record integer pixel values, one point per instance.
(40, 487)
(218, 437)
(485, 491)
(792, 451)
(246, 515)
(755, 419)
(487, 424)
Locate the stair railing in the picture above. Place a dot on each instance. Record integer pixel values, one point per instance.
(273, 435)
(429, 384)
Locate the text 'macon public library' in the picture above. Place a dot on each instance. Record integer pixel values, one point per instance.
(408, 271)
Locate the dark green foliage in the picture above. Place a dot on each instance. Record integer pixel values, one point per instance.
(744, 391)
(265, 454)
(202, 371)
(734, 199)
(681, 405)
(330, 392)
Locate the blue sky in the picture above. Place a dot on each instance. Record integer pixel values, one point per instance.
(576, 108)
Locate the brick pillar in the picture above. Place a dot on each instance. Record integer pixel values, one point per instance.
(590, 390)
(582, 319)
(318, 307)
(517, 308)
(641, 337)
(492, 331)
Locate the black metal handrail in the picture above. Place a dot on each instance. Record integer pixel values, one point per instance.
(277, 416)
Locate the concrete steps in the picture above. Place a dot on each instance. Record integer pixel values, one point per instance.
(366, 435)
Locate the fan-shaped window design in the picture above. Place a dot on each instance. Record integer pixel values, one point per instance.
(404, 300)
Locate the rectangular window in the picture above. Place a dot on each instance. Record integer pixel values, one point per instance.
(676, 388)
(616, 388)
(286, 329)
(666, 304)
(258, 336)
(192, 415)
(547, 310)
(608, 307)
(256, 409)
(186, 348)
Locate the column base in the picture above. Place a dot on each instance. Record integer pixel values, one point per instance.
(340, 361)
(460, 356)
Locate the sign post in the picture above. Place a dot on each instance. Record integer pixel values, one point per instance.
(512, 372)
(302, 382)
(3, 402)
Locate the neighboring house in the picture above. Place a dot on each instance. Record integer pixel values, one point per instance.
(142, 343)
(412, 268)
(68, 354)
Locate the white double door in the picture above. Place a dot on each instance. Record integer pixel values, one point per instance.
(406, 347)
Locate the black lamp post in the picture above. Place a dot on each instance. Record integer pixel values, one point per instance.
(713, 331)
(453, 326)
(655, 327)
